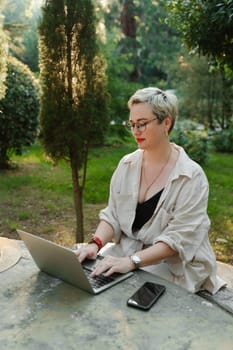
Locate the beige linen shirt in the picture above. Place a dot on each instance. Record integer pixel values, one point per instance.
(179, 220)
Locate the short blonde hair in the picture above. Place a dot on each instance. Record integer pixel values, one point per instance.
(164, 103)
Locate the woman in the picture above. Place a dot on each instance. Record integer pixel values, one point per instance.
(157, 209)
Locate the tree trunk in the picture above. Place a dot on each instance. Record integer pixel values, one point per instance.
(78, 191)
(4, 159)
(128, 19)
(226, 101)
(210, 103)
(129, 28)
(77, 187)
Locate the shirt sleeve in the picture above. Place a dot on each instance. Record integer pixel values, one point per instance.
(108, 214)
(189, 223)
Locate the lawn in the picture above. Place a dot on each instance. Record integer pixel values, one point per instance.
(219, 171)
(37, 196)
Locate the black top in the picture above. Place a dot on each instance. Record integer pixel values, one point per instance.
(145, 210)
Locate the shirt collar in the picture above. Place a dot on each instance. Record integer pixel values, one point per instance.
(184, 164)
(133, 157)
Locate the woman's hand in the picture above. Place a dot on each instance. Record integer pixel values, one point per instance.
(89, 251)
(111, 264)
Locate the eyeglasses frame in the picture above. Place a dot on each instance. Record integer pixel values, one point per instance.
(141, 127)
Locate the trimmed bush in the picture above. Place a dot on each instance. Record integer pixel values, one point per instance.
(193, 140)
(18, 111)
(223, 140)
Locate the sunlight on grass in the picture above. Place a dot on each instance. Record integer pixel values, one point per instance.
(31, 159)
(33, 154)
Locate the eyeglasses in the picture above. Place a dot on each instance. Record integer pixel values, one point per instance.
(140, 127)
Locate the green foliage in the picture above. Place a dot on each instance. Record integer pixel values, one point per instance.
(3, 57)
(74, 99)
(206, 94)
(158, 44)
(147, 57)
(205, 26)
(30, 54)
(20, 25)
(18, 111)
(136, 59)
(120, 90)
(223, 140)
(194, 141)
(74, 112)
(117, 135)
(16, 11)
(16, 22)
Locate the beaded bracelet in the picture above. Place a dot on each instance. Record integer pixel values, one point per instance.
(97, 241)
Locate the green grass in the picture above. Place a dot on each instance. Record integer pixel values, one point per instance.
(37, 196)
(101, 165)
(219, 171)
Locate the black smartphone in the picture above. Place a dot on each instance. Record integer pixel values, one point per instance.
(146, 295)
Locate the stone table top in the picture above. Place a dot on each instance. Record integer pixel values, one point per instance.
(41, 312)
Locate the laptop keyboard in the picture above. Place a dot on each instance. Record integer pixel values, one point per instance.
(98, 281)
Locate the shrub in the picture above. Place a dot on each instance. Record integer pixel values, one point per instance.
(18, 111)
(117, 135)
(223, 140)
(193, 140)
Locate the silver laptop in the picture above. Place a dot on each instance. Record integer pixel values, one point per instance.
(62, 263)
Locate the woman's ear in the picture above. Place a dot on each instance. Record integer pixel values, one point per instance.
(167, 125)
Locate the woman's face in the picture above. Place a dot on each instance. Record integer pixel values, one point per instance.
(153, 133)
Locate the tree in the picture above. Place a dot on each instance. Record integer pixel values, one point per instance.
(141, 49)
(30, 38)
(74, 99)
(20, 26)
(205, 26)
(202, 91)
(16, 16)
(3, 56)
(18, 111)
(149, 43)
(129, 28)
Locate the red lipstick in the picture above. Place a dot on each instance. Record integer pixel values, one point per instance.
(139, 139)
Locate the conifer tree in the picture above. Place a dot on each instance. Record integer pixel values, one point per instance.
(74, 99)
